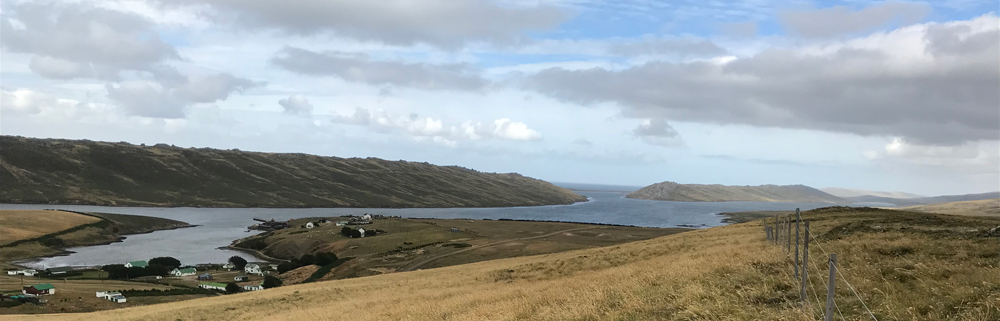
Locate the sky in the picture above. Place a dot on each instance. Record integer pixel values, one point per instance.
(891, 96)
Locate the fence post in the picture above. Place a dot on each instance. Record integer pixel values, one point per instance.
(798, 218)
(776, 227)
(788, 236)
(829, 287)
(805, 266)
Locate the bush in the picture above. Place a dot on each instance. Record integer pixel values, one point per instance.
(285, 267)
(166, 261)
(325, 258)
(233, 288)
(346, 231)
(271, 282)
(239, 262)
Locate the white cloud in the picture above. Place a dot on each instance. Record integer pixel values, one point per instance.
(835, 21)
(431, 128)
(658, 132)
(296, 105)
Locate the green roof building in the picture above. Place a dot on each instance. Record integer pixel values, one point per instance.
(141, 264)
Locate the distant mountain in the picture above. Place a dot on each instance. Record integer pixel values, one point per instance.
(987, 207)
(56, 171)
(846, 192)
(924, 200)
(670, 191)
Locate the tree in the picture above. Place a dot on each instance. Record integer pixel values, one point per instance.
(346, 231)
(239, 262)
(231, 287)
(307, 259)
(285, 267)
(271, 282)
(166, 261)
(325, 258)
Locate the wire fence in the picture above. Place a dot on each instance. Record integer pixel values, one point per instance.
(780, 234)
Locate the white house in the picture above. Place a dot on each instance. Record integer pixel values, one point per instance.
(13, 272)
(253, 268)
(366, 217)
(310, 225)
(229, 266)
(251, 287)
(184, 271)
(362, 231)
(213, 286)
(29, 272)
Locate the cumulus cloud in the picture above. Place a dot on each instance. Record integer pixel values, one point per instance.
(436, 130)
(445, 23)
(76, 41)
(982, 157)
(839, 20)
(658, 132)
(296, 105)
(913, 83)
(154, 99)
(361, 68)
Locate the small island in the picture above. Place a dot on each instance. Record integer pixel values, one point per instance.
(671, 191)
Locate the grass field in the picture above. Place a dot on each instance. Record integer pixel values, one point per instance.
(904, 265)
(990, 207)
(409, 244)
(16, 225)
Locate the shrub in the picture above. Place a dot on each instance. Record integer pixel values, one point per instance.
(271, 282)
(231, 287)
(165, 261)
(239, 262)
(325, 258)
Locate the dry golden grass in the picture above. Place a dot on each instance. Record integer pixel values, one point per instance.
(78, 295)
(18, 225)
(906, 266)
(990, 207)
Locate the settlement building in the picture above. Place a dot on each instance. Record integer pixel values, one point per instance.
(213, 286)
(252, 287)
(205, 276)
(241, 278)
(59, 270)
(184, 272)
(39, 289)
(139, 264)
(253, 268)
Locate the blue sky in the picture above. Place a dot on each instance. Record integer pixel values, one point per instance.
(895, 96)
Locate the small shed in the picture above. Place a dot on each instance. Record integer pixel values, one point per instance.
(309, 225)
(241, 278)
(117, 299)
(28, 272)
(39, 289)
(362, 231)
(229, 266)
(205, 276)
(13, 272)
(366, 217)
(139, 264)
(109, 295)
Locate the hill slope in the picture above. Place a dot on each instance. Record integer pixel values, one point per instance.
(670, 191)
(989, 207)
(926, 200)
(100, 173)
(905, 265)
(846, 192)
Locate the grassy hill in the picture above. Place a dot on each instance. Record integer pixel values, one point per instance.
(988, 207)
(847, 192)
(85, 172)
(34, 233)
(670, 191)
(926, 200)
(904, 265)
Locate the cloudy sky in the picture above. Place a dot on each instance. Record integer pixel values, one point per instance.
(874, 95)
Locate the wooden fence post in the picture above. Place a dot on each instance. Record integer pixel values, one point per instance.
(788, 234)
(805, 266)
(829, 287)
(798, 218)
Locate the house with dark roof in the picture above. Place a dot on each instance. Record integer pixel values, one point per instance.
(59, 270)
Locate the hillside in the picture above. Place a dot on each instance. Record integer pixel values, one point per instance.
(670, 191)
(57, 171)
(846, 192)
(989, 207)
(35, 233)
(904, 265)
(925, 200)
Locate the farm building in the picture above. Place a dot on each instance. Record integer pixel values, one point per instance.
(252, 287)
(108, 295)
(341, 223)
(140, 264)
(29, 272)
(213, 286)
(366, 217)
(241, 278)
(13, 272)
(229, 266)
(59, 270)
(184, 272)
(362, 231)
(205, 276)
(39, 289)
(309, 225)
(117, 299)
(253, 268)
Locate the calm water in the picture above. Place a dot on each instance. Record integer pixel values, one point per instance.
(220, 226)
